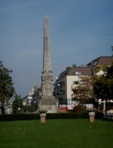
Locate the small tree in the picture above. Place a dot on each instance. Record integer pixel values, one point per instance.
(83, 91)
(17, 105)
(79, 108)
(27, 108)
(6, 85)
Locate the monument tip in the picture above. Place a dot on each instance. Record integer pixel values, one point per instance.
(45, 16)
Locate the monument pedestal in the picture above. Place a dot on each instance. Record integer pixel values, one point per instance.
(43, 116)
(48, 103)
(91, 116)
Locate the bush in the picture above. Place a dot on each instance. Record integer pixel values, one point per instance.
(79, 108)
(99, 115)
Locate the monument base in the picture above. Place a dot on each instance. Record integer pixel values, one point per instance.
(48, 104)
(91, 116)
(42, 117)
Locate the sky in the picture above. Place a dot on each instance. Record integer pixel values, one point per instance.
(80, 31)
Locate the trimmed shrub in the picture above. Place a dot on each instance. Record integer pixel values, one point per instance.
(14, 117)
(99, 115)
(79, 108)
(67, 116)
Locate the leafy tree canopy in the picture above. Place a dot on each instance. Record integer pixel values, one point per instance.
(103, 86)
(17, 104)
(6, 84)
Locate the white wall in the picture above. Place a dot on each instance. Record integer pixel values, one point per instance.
(70, 80)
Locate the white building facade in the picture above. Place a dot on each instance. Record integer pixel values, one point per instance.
(67, 83)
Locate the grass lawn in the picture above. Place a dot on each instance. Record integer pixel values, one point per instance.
(71, 133)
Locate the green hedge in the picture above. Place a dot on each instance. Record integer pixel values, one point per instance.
(67, 116)
(14, 117)
(99, 115)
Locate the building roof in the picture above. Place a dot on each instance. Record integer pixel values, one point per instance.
(103, 60)
(82, 70)
(76, 71)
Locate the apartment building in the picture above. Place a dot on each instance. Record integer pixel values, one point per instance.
(100, 64)
(67, 83)
(75, 83)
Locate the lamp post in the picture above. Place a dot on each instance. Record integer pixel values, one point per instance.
(104, 106)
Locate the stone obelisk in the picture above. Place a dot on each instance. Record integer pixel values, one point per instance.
(47, 101)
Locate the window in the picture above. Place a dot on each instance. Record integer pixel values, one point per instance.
(75, 82)
(78, 73)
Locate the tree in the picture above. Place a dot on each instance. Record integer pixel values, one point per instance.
(100, 88)
(79, 108)
(110, 81)
(6, 85)
(83, 90)
(27, 108)
(74, 65)
(17, 104)
(103, 86)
